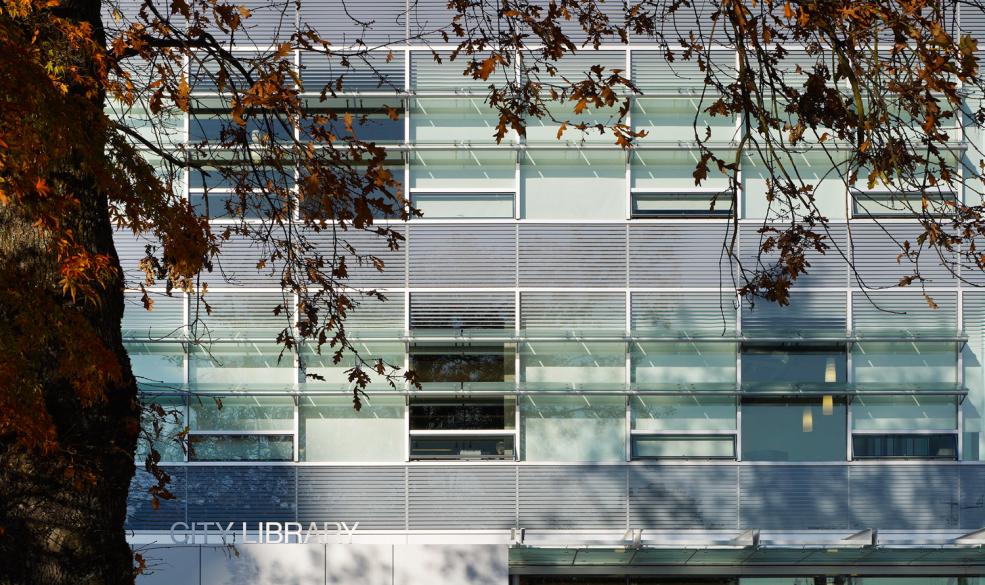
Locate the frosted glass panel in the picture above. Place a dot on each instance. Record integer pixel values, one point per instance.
(242, 363)
(573, 428)
(683, 413)
(905, 363)
(438, 120)
(673, 119)
(578, 363)
(813, 169)
(332, 430)
(242, 413)
(904, 413)
(463, 205)
(544, 129)
(658, 363)
(801, 430)
(683, 447)
(673, 170)
(157, 362)
(321, 364)
(463, 169)
(573, 185)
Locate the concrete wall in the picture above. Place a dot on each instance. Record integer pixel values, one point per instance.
(327, 564)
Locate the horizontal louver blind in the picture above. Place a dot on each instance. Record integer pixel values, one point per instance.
(904, 312)
(466, 255)
(670, 254)
(369, 73)
(236, 265)
(697, 314)
(131, 249)
(573, 255)
(809, 314)
(345, 22)
(876, 247)
(426, 74)
(165, 319)
(829, 269)
(364, 274)
(587, 312)
(653, 74)
(240, 315)
(578, 66)
(372, 317)
(453, 311)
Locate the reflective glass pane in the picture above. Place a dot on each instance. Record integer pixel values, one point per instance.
(463, 362)
(794, 430)
(680, 204)
(435, 414)
(781, 365)
(169, 414)
(241, 448)
(242, 413)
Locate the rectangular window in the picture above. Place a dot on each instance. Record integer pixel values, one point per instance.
(236, 447)
(370, 119)
(573, 428)
(463, 428)
(680, 204)
(794, 429)
(464, 205)
(332, 430)
(783, 365)
(463, 362)
(905, 446)
(886, 203)
(683, 447)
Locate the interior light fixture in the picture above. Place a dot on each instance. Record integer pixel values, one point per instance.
(807, 421)
(827, 404)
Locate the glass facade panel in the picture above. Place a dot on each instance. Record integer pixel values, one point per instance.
(904, 413)
(462, 362)
(573, 428)
(573, 363)
(683, 447)
(169, 414)
(322, 364)
(694, 363)
(157, 362)
(573, 185)
(464, 205)
(242, 413)
(462, 414)
(242, 363)
(458, 170)
(451, 120)
(673, 119)
(814, 169)
(782, 365)
(683, 413)
(371, 119)
(793, 430)
(909, 362)
(680, 204)
(332, 430)
(241, 448)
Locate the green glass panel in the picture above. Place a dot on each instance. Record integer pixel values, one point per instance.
(794, 430)
(242, 413)
(333, 430)
(573, 428)
(683, 413)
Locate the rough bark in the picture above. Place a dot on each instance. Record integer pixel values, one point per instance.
(62, 512)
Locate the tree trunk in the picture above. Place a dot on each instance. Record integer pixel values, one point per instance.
(62, 510)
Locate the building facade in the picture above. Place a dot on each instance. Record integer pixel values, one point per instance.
(597, 406)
